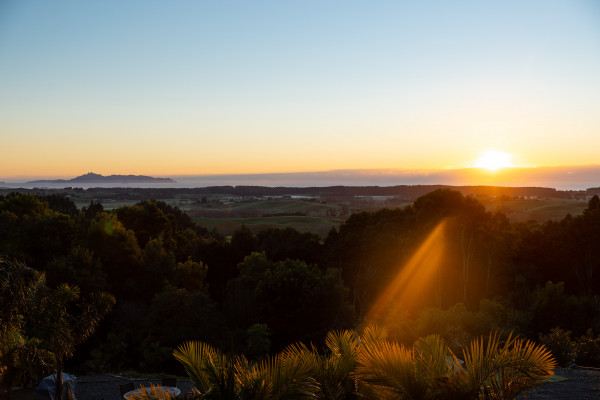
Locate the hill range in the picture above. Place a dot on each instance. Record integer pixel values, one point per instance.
(91, 177)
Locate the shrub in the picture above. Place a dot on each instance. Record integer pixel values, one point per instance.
(588, 350)
(560, 344)
(456, 325)
(258, 340)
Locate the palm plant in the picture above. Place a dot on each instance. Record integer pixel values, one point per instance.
(62, 329)
(332, 373)
(368, 366)
(218, 376)
(290, 376)
(153, 392)
(392, 371)
(429, 370)
(503, 369)
(211, 372)
(335, 371)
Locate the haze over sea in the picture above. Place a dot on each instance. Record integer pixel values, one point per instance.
(561, 178)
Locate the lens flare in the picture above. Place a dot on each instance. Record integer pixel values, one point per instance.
(417, 283)
(109, 228)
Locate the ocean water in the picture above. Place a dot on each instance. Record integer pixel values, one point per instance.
(561, 178)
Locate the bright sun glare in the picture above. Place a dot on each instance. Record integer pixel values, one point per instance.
(493, 160)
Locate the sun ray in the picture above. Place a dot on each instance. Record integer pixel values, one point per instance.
(415, 281)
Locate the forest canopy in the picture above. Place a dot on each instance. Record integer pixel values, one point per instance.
(442, 265)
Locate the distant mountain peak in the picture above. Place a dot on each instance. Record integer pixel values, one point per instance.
(91, 177)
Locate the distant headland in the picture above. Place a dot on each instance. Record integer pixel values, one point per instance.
(91, 177)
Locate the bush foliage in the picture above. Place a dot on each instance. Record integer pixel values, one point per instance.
(174, 281)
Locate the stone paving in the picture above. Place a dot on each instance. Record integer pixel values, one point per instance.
(581, 384)
(107, 386)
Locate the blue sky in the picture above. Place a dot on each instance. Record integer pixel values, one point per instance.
(198, 87)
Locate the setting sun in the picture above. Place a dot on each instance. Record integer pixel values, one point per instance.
(493, 160)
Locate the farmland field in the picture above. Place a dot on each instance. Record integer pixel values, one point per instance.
(265, 207)
(520, 210)
(227, 226)
(227, 212)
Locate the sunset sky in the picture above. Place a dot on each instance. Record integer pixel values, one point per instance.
(218, 87)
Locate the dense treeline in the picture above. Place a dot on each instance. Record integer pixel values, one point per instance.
(442, 265)
(404, 192)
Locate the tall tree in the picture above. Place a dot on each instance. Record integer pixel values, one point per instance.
(65, 321)
(496, 237)
(21, 357)
(118, 250)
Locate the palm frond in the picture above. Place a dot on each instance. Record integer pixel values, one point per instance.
(434, 357)
(342, 343)
(371, 367)
(390, 368)
(291, 375)
(503, 369)
(373, 333)
(252, 380)
(153, 392)
(202, 362)
(334, 371)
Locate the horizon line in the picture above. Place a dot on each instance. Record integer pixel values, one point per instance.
(407, 171)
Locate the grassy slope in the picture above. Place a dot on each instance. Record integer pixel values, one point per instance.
(282, 206)
(227, 226)
(227, 215)
(517, 210)
(538, 210)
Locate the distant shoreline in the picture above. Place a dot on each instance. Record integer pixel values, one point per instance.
(92, 178)
(560, 178)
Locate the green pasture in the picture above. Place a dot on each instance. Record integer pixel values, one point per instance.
(274, 206)
(227, 226)
(228, 212)
(519, 210)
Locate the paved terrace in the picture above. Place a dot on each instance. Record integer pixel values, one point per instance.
(107, 386)
(581, 384)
